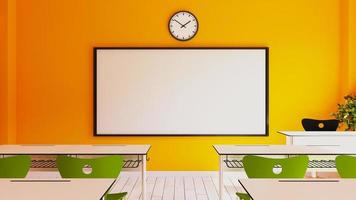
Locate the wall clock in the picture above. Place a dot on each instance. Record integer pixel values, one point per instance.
(183, 25)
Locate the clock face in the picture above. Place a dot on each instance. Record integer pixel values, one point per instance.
(183, 25)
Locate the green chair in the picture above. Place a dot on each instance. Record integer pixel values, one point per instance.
(346, 166)
(103, 167)
(15, 166)
(262, 167)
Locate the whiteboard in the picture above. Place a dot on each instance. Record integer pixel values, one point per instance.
(180, 91)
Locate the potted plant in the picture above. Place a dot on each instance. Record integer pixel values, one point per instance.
(346, 112)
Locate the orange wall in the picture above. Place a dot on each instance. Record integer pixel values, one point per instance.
(11, 72)
(54, 64)
(352, 46)
(344, 48)
(348, 47)
(7, 71)
(3, 72)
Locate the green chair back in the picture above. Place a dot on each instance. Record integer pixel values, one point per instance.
(103, 167)
(346, 166)
(262, 167)
(15, 166)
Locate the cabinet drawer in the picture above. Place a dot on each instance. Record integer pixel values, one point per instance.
(322, 140)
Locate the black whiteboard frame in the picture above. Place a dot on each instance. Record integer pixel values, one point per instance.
(95, 130)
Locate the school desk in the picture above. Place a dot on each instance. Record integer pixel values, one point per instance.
(97, 149)
(226, 150)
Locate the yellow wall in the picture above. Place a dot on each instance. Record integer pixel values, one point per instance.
(54, 64)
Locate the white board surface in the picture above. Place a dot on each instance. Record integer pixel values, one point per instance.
(181, 91)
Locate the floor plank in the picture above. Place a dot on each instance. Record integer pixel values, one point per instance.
(151, 182)
(230, 188)
(120, 184)
(211, 190)
(199, 188)
(130, 185)
(189, 188)
(225, 195)
(159, 187)
(168, 192)
(179, 192)
(135, 194)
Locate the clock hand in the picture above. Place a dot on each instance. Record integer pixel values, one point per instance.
(185, 24)
(178, 22)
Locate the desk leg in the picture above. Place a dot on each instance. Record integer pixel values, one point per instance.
(221, 178)
(143, 177)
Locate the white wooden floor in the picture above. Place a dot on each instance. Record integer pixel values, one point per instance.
(172, 185)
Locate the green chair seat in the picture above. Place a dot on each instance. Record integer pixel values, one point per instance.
(15, 166)
(115, 196)
(243, 196)
(103, 167)
(262, 167)
(346, 166)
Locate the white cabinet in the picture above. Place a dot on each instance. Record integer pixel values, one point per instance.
(320, 138)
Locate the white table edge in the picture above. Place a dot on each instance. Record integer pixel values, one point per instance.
(318, 133)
